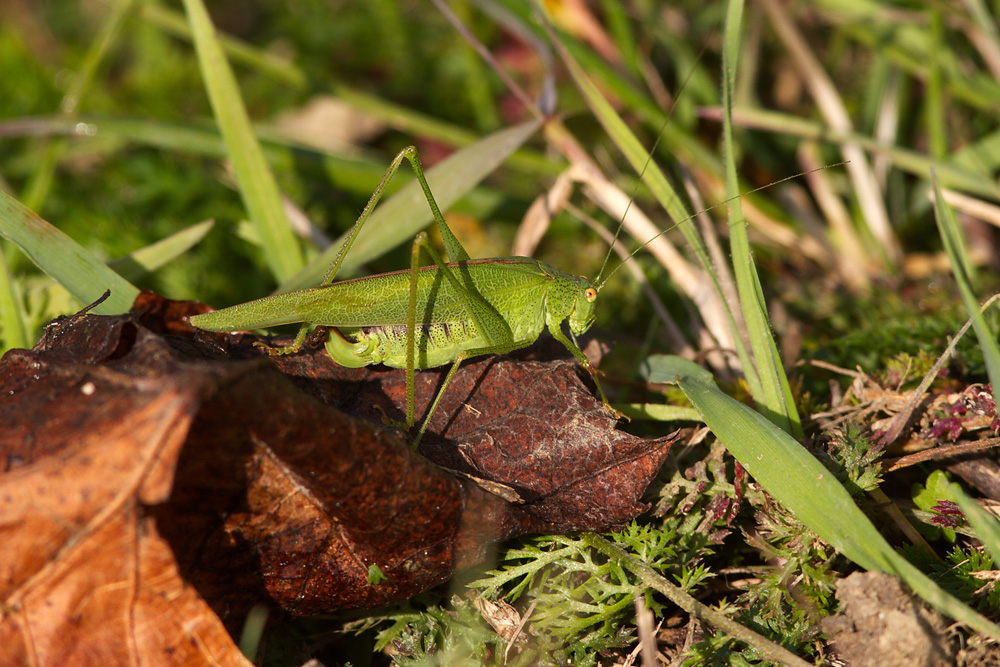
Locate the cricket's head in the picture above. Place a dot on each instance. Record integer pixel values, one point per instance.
(582, 315)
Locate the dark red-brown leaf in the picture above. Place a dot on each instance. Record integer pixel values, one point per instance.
(258, 477)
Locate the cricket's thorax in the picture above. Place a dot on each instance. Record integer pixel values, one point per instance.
(524, 295)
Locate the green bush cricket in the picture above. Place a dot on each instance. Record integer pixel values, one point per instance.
(427, 316)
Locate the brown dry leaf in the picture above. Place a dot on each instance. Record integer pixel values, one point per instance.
(329, 124)
(85, 576)
(529, 431)
(246, 474)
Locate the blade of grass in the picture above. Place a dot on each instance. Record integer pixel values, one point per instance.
(176, 24)
(37, 188)
(634, 152)
(73, 266)
(775, 399)
(677, 142)
(934, 111)
(984, 35)
(961, 266)
(412, 122)
(478, 94)
(146, 260)
(401, 216)
(196, 138)
(13, 333)
(985, 524)
(952, 175)
(253, 174)
(794, 478)
(202, 138)
(404, 119)
(831, 105)
(659, 412)
(878, 27)
(655, 179)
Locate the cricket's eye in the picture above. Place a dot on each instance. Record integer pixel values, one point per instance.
(590, 294)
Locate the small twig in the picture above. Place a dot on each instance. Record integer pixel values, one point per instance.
(517, 630)
(903, 416)
(940, 452)
(647, 635)
(675, 594)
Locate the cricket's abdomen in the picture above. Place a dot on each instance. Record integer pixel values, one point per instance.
(513, 288)
(434, 344)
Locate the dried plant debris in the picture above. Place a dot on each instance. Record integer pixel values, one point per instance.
(882, 625)
(146, 462)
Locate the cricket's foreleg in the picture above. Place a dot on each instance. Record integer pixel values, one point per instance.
(570, 345)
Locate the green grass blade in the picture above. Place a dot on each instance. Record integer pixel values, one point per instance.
(985, 524)
(146, 260)
(954, 174)
(659, 412)
(200, 138)
(402, 118)
(402, 215)
(73, 266)
(196, 138)
(176, 24)
(13, 332)
(37, 189)
(119, 12)
(657, 182)
(775, 397)
(961, 266)
(253, 175)
(767, 383)
(635, 153)
(935, 101)
(676, 141)
(793, 477)
(907, 44)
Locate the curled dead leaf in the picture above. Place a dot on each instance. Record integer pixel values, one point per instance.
(154, 462)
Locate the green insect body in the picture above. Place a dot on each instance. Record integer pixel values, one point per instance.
(427, 316)
(370, 313)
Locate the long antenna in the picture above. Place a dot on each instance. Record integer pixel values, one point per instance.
(649, 159)
(601, 283)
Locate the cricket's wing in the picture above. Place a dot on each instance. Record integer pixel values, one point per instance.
(513, 287)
